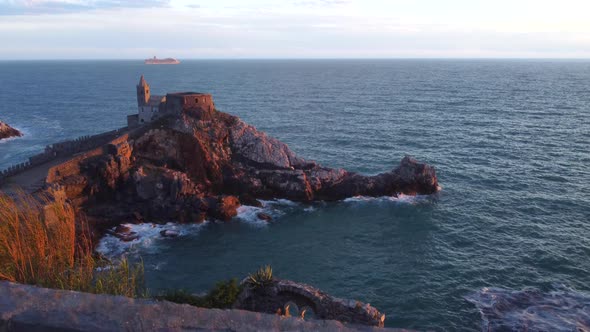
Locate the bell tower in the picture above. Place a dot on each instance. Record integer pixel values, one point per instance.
(143, 92)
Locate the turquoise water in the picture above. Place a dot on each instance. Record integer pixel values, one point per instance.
(510, 141)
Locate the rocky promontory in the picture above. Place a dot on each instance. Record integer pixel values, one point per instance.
(204, 164)
(7, 131)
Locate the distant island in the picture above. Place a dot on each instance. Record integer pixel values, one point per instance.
(7, 131)
(166, 61)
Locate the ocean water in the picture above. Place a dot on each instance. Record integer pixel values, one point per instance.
(510, 141)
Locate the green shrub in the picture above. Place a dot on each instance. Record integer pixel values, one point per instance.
(261, 278)
(222, 296)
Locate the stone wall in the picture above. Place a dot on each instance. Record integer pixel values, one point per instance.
(29, 308)
(178, 102)
(72, 166)
(62, 149)
(299, 297)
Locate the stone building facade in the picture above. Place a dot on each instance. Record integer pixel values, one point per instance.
(151, 107)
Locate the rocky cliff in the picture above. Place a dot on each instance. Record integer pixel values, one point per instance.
(205, 164)
(7, 131)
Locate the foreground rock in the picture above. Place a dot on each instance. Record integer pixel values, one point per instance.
(7, 131)
(29, 308)
(298, 300)
(198, 164)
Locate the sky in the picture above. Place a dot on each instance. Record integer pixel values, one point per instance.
(221, 29)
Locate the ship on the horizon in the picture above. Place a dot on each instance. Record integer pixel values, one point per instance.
(156, 61)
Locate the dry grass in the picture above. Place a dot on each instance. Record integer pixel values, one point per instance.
(42, 244)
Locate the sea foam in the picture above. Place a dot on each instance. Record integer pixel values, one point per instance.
(559, 310)
(274, 208)
(149, 238)
(401, 198)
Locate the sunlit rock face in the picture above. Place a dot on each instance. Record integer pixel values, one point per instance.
(7, 131)
(195, 165)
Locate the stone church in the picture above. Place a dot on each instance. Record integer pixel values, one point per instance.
(151, 107)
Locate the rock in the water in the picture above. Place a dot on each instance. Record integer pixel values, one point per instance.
(128, 237)
(7, 131)
(264, 216)
(249, 200)
(169, 233)
(226, 208)
(122, 229)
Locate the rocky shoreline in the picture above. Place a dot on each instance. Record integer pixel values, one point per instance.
(7, 131)
(205, 164)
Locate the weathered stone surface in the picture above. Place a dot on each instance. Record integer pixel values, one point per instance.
(29, 308)
(280, 293)
(7, 131)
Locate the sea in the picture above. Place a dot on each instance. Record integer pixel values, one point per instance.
(510, 140)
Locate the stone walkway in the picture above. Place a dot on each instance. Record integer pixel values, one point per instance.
(30, 180)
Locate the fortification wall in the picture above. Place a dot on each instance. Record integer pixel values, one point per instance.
(61, 149)
(72, 166)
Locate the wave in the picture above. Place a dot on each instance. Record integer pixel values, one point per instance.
(531, 310)
(274, 208)
(401, 198)
(148, 238)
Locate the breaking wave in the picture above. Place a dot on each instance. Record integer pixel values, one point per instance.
(274, 208)
(530, 310)
(401, 198)
(148, 237)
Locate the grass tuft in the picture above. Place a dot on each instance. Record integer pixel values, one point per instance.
(41, 243)
(261, 278)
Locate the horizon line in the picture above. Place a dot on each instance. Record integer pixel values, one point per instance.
(306, 58)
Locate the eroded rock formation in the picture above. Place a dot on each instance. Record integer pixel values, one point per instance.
(7, 131)
(193, 166)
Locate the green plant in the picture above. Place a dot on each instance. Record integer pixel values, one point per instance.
(122, 279)
(261, 278)
(222, 296)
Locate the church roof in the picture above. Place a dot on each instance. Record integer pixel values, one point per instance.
(156, 100)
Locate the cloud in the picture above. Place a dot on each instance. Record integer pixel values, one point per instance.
(37, 7)
(321, 3)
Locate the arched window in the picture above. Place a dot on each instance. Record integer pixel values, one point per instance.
(197, 100)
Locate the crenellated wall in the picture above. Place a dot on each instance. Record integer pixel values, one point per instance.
(62, 149)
